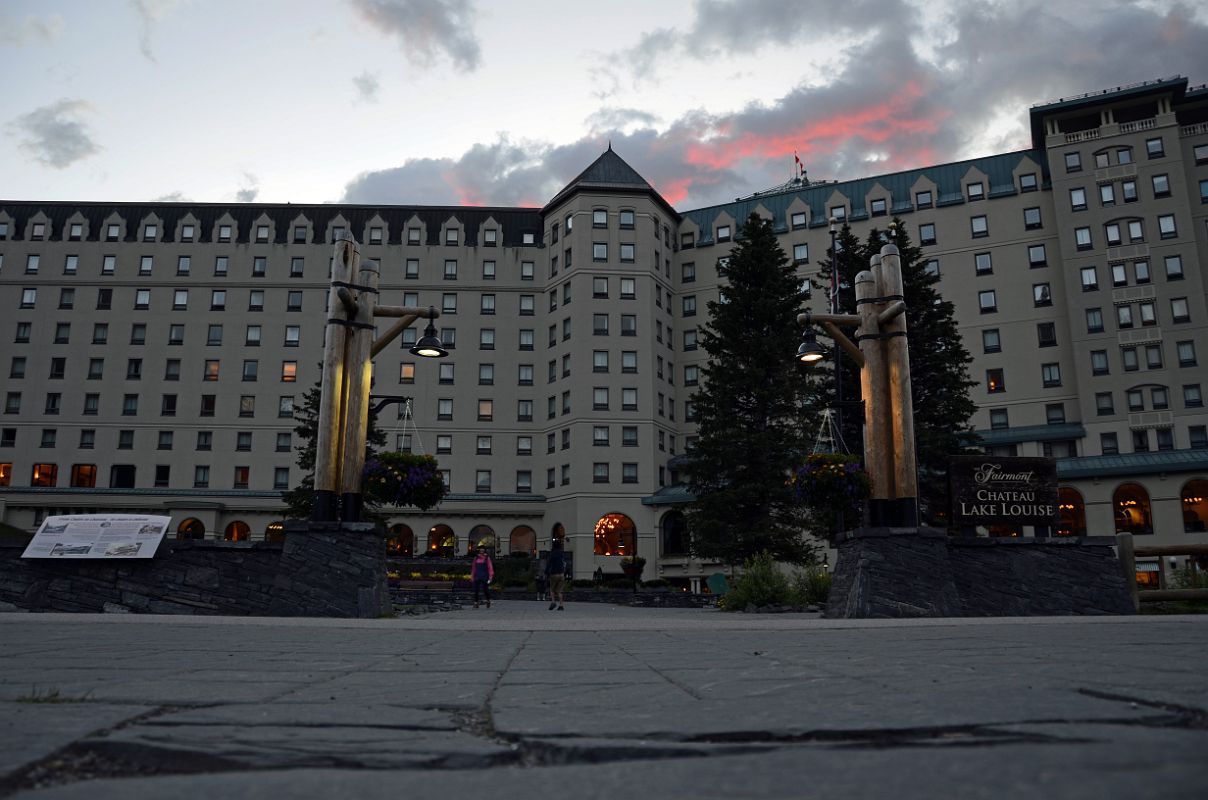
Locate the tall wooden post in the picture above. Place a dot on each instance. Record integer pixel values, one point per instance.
(897, 358)
(360, 370)
(877, 455)
(344, 263)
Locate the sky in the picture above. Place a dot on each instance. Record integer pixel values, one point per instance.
(503, 102)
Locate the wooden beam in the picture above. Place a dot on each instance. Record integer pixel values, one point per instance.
(331, 393)
(844, 343)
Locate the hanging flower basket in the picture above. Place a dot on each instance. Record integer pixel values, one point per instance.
(632, 567)
(403, 479)
(832, 487)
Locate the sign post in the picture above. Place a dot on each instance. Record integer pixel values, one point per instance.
(986, 490)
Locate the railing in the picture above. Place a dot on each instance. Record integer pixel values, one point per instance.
(1128, 564)
(1139, 125)
(1102, 92)
(1081, 136)
(1194, 130)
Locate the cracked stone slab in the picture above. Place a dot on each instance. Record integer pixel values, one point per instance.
(31, 731)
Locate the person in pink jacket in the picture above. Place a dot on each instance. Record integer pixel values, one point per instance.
(482, 572)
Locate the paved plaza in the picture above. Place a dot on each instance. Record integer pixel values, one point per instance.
(601, 701)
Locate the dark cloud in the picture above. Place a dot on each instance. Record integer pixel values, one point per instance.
(56, 135)
(29, 30)
(250, 189)
(150, 12)
(367, 87)
(427, 28)
(891, 105)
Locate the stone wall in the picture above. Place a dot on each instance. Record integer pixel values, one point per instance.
(329, 570)
(891, 572)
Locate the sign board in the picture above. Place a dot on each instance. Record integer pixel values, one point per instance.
(987, 490)
(111, 536)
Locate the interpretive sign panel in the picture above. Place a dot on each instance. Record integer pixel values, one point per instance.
(1003, 491)
(98, 536)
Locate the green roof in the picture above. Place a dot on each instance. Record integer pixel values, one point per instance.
(1033, 433)
(1125, 464)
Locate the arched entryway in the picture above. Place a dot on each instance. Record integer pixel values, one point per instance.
(523, 539)
(482, 536)
(237, 531)
(673, 536)
(1130, 505)
(442, 541)
(1071, 513)
(401, 541)
(1194, 499)
(191, 528)
(615, 535)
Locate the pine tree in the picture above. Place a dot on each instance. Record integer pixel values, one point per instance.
(756, 408)
(299, 501)
(939, 365)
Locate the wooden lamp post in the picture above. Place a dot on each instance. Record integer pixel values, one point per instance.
(884, 362)
(347, 364)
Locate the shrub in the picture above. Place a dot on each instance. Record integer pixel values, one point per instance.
(1190, 579)
(811, 587)
(761, 584)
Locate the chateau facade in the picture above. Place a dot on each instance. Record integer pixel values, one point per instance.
(155, 353)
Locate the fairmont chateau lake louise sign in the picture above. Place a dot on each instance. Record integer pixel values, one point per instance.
(1012, 491)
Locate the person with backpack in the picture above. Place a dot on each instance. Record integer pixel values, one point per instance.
(482, 572)
(555, 570)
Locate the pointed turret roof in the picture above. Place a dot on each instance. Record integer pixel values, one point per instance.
(609, 173)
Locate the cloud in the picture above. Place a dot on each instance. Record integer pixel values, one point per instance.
(29, 30)
(56, 135)
(894, 101)
(250, 189)
(172, 197)
(427, 29)
(150, 12)
(367, 86)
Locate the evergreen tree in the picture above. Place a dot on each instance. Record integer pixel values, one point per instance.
(756, 408)
(300, 500)
(939, 365)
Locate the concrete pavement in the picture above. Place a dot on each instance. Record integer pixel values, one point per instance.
(602, 701)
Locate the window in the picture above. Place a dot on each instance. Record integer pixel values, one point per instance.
(629, 325)
(599, 218)
(1140, 440)
(629, 399)
(1153, 356)
(1119, 275)
(1141, 271)
(1148, 314)
(285, 406)
(1179, 310)
(1128, 357)
(450, 269)
(1124, 316)
(1054, 413)
(599, 324)
(878, 207)
(134, 369)
(29, 298)
(1078, 199)
(1107, 194)
(524, 410)
(1046, 334)
(628, 288)
(1099, 365)
(998, 419)
(599, 436)
(599, 472)
(690, 339)
(1073, 162)
(451, 235)
(1159, 399)
(1090, 279)
(214, 335)
(801, 253)
(62, 333)
(96, 367)
(1186, 353)
(1136, 232)
(995, 382)
(525, 375)
(1042, 295)
(599, 398)
(991, 342)
(1031, 219)
(289, 371)
(723, 233)
(930, 267)
(1154, 148)
(1192, 396)
(1136, 400)
(982, 264)
(987, 301)
(293, 301)
(980, 226)
(1197, 436)
(486, 375)
(1037, 256)
(1104, 405)
(1051, 375)
(1166, 226)
(927, 233)
(923, 199)
(599, 252)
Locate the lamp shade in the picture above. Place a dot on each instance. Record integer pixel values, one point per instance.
(810, 351)
(429, 346)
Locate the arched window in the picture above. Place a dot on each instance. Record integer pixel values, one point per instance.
(191, 528)
(523, 540)
(616, 536)
(674, 536)
(1071, 513)
(401, 541)
(442, 541)
(237, 531)
(1195, 505)
(482, 536)
(1130, 503)
(275, 532)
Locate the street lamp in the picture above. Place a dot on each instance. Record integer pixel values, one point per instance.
(429, 346)
(810, 352)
